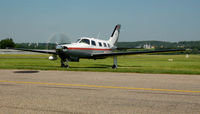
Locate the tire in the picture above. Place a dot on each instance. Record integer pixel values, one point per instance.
(114, 67)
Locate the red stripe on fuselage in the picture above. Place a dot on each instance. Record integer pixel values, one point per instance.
(89, 49)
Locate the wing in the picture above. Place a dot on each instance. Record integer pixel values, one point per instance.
(133, 52)
(38, 51)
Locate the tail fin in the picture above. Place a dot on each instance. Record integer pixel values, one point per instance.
(115, 35)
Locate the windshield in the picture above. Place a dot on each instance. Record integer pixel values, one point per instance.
(78, 40)
(85, 41)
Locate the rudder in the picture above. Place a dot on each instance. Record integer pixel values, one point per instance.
(115, 35)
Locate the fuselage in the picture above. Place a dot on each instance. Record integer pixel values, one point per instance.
(85, 47)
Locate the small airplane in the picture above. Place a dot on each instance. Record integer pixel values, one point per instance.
(91, 48)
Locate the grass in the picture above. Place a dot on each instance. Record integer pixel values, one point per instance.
(133, 63)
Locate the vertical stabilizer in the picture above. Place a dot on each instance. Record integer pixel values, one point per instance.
(115, 35)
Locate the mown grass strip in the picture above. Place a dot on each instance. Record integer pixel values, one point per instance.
(133, 63)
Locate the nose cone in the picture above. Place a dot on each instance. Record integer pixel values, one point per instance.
(61, 49)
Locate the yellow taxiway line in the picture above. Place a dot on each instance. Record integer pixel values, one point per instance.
(96, 86)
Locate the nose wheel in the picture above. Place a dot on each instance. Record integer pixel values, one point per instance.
(64, 63)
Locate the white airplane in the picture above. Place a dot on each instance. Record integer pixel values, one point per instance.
(91, 48)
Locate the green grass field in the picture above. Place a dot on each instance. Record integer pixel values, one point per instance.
(133, 63)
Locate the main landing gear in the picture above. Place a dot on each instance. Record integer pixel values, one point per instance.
(114, 62)
(64, 63)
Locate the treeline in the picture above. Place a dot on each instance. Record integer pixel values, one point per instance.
(160, 44)
(137, 44)
(194, 46)
(7, 43)
(35, 45)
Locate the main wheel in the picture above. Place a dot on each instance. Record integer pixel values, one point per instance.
(114, 66)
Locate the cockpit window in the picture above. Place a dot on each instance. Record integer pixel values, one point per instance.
(78, 40)
(85, 41)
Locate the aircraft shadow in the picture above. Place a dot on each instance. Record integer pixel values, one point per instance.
(26, 71)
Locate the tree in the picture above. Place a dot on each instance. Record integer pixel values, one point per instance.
(7, 43)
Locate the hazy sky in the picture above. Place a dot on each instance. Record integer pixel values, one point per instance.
(37, 20)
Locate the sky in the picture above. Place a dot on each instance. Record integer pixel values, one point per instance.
(38, 20)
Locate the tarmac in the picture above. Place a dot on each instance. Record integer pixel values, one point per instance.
(71, 92)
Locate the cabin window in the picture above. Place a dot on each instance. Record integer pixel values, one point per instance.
(93, 43)
(85, 41)
(100, 44)
(104, 44)
(108, 45)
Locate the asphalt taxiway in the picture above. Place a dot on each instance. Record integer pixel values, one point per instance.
(24, 91)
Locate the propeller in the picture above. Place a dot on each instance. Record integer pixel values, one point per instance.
(55, 41)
